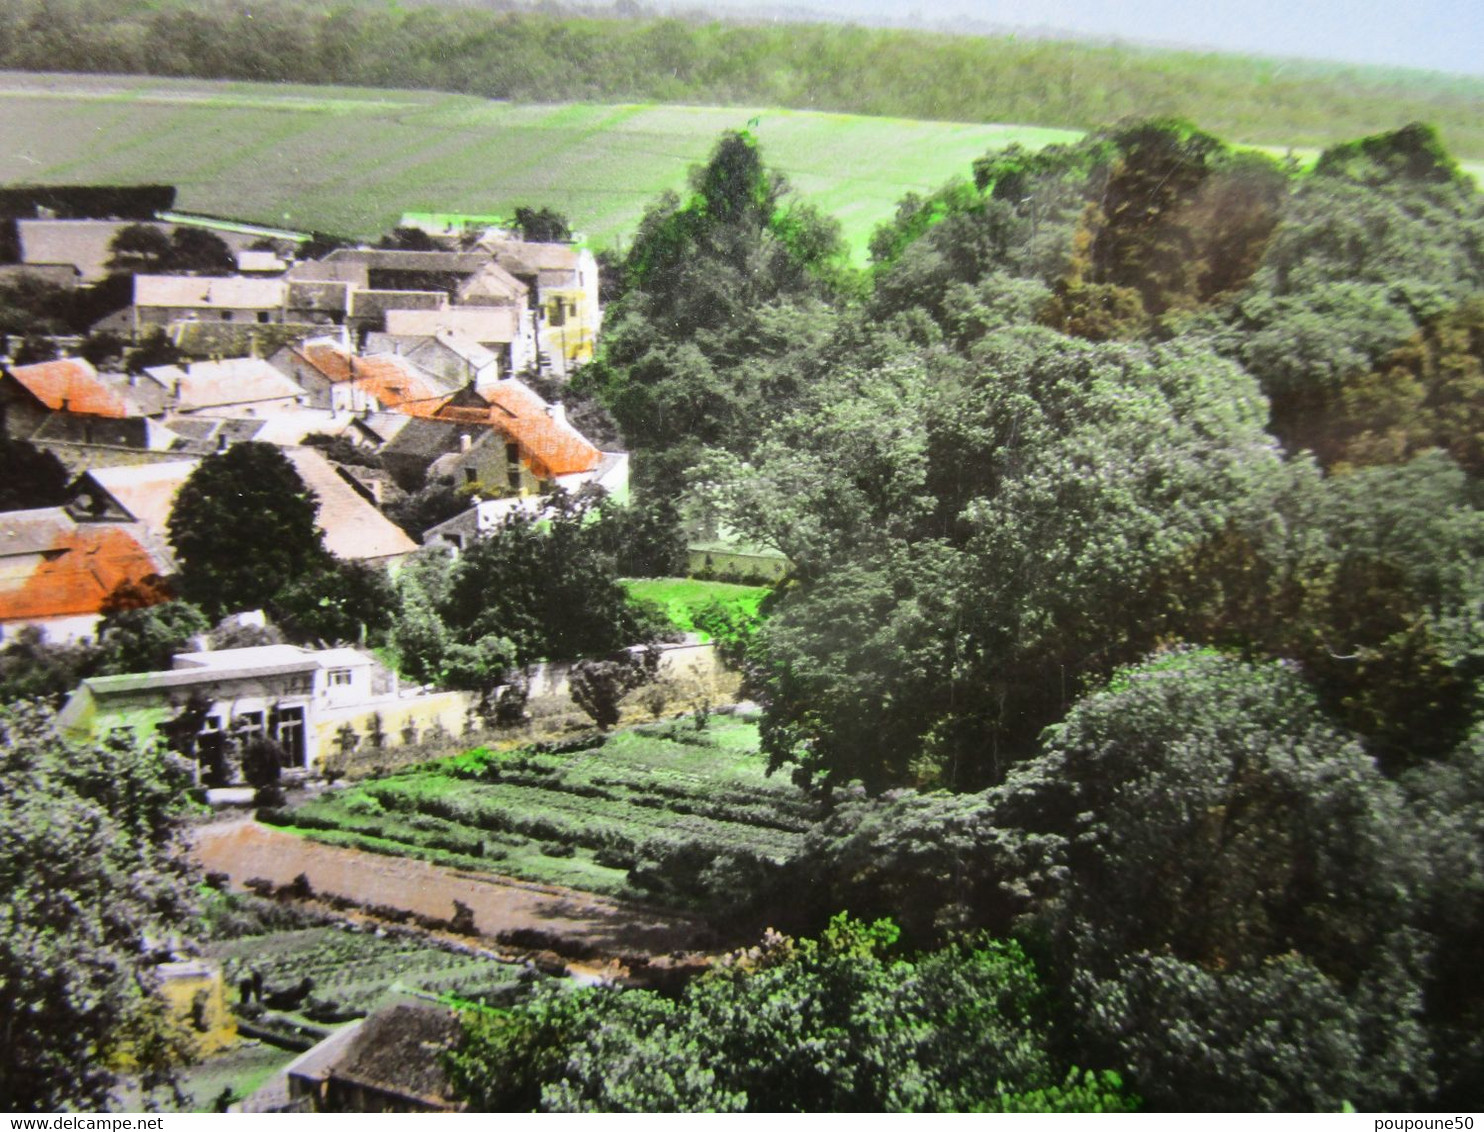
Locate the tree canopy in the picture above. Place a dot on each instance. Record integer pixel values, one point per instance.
(834, 1024)
(973, 540)
(90, 887)
(242, 525)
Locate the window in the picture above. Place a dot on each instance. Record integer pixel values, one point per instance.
(289, 722)
(339, 678)
(471, 475)
(262, 316)
(226, 316)
(512, 472)
(249, 725)
(299, 684)
(558, 314)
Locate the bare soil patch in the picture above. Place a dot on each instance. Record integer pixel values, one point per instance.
(243, 849)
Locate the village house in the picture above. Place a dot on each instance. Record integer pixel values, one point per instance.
(71, 402)
(515, 449)
(457, 360)
(337, 378)
(312, 702)
(57, 574)
(85, 246)
(130, 493)
(508, 332)
(563, 280)
(238, 387)
(160, 300)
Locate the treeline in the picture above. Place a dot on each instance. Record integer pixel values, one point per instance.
(571, 54)
(1133, 506)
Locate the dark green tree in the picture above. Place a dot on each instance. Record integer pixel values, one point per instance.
(598, 686)
(33, 668)
(140, 248)
(722, 293)
(199, 252)
(1227, 855)
(1449, 797)
(409, 240)
(542, 225)
(340, 601)
(155, 350)
(90, 883)
(35, 348)
(144, 639)
(973, 541)
(548, 585)
(242, 523)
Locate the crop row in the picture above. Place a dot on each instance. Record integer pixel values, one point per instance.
(593, 822)
(354, 970)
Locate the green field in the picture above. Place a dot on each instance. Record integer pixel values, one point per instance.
(681, 598)
(351, 161)
(601, 818)
(356, 972)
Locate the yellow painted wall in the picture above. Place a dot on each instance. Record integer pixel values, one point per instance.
(195, 994)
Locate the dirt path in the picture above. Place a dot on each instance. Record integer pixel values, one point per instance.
(244, 849)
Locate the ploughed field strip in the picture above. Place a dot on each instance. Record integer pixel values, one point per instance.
(355, 972)
(597, 818)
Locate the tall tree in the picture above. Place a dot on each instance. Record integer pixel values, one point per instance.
(243, 523)
(144, 639)
(973, 541)
(542, 225)
(722, 290)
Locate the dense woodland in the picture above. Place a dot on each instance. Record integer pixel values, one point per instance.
(1132, 645)
(558, 53)
(1132, 499)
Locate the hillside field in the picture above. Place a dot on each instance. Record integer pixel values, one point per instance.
(351, 161)
(608, 818)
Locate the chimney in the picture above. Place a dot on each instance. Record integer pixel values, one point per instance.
(466, 442)
(557, 412)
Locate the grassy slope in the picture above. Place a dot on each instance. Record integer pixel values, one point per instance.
(351, 161)
(680, 598)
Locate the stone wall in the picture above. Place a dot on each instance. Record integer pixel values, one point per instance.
(415, 729)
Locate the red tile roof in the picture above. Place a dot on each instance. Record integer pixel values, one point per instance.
(332, 363)
(394, 382)
(549, 444)
(397, 385)
(70, 385)
(83, 567)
